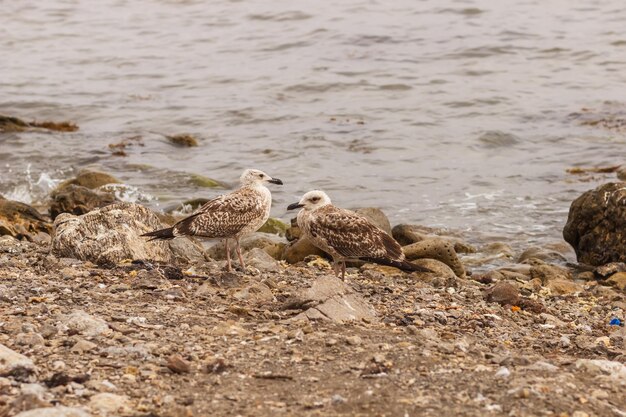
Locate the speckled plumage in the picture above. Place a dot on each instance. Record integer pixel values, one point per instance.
(346, 235)
(228, 216)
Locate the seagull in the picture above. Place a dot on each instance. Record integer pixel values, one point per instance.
(229, 216)
(345, 235)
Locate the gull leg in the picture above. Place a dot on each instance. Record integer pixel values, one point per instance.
(229, 266)
(343, 270)
(243, 265)
(335, 267)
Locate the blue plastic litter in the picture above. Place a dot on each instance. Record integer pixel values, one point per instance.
(615, 322)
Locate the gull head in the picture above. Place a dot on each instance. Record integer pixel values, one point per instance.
(311, 201)
(254, 176)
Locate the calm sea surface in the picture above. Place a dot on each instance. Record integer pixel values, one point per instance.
(445, 113)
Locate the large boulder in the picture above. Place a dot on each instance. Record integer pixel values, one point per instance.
(108, 235)
(21, 220)
(596, 225)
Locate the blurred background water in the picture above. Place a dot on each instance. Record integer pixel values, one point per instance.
(445, 113)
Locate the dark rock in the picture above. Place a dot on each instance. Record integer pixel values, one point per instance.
(178, 365)
(108, 235)
(90, 179)
(503, 293)
(596, 225)
(183, 139)
(605, 271)
(78, 200)
(21, 220)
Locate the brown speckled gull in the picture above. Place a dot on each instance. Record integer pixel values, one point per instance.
(345, 235)
(229, 216)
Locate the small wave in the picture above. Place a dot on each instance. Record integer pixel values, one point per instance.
(280, 17)
(286, 46)
(498, 139)
(127, 193)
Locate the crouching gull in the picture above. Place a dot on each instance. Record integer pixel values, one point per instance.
(345, 235)
(228, 216)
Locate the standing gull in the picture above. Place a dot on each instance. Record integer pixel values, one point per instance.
(229, 216)
(345, 235)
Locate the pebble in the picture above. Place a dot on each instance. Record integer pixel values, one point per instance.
(354, 340)
(503, 372)
(78, 321)
(82, 346)
(177, 364)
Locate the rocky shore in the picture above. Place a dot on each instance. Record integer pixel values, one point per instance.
(98, 322)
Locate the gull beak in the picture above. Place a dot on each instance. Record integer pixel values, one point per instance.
(276, 181)
(294, 206)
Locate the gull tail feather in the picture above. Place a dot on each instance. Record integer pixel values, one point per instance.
(403, 265)
(161, 234)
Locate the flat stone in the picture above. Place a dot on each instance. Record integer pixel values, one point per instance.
(80, 322)
(337, 302)
(563, 286)
(618, 281)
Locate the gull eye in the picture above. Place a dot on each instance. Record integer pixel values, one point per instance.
(315, 199)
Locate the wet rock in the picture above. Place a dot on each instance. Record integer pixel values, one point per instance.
(543, 254)
(596, 223)
(618, 281)
(436, 248)
(336, 302)
(563, 286)
(21, 221)
(107, 404)
(89, 179)
(58, 411)
(183, 139)
(503, 293)
(261, 260)
(548, 273)
(78, 200)
(178, 365)
(274, 226)
(15, 364)
(376, 216)
(79, 322)
(202, 181)
(621, 174)
(605, 271)
(296, 251)
(108, 235)
(13, 124)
